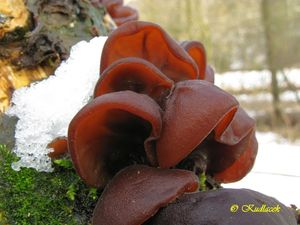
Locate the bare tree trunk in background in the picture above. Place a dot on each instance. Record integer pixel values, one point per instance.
(276, 99)
(189, 16)
(269, 30)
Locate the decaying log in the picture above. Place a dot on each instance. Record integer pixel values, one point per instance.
(36, 35)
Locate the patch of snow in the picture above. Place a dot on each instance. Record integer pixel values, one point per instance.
(284, 96)
(292, 75)
(276, 171)
(289, 96)
(243, 79)
(254, 98)
(45, 108)
(238, 80)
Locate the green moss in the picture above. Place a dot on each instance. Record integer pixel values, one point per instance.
(31, 197)
(202, 181)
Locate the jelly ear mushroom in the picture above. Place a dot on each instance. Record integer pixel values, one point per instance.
(150, 42)
(223, 207)
(197, 51)
(122, 14)
(134, 74)
(209, 74)
(216, 135)
(112, 132)
(199, 115)
(110, 4)
(239, 142)
(137, 192)
(59, 147)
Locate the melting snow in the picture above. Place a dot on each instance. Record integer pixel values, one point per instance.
(45, 108)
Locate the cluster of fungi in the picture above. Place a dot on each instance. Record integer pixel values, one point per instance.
(119, 12)
(156, 124)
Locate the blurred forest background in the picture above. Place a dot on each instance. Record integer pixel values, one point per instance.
(260, 35)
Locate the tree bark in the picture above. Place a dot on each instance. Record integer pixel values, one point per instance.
(36, 35)
(269, 28)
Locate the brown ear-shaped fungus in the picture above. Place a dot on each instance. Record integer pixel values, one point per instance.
(239, 142)
(137, 192)
(197, 51)
(123, 14)
(209, 74)
(240, 126)
(119, 13)
(224, 207)
(204, 109)
(112, 132)
(109, 4)
(150, 42)
(237, 161)
(192, 112)
(59, 146)
(136, 75)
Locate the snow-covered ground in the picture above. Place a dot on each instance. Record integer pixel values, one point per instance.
(276, 171)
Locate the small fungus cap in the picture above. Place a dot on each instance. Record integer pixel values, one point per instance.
(197, 109)
(150, 42)
(134, 74)
(111, 132)
(137, 192)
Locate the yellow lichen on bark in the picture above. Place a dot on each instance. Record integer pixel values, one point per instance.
(35, 36)
(12, 78)
(14, 14)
